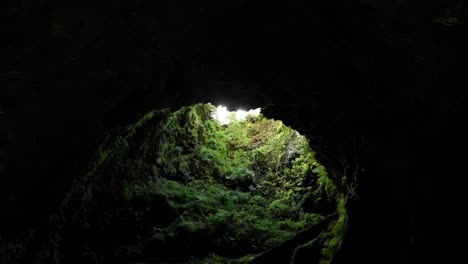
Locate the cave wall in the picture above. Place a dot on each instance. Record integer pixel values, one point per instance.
(386, 72)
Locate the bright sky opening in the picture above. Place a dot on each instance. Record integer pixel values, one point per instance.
(224, 117)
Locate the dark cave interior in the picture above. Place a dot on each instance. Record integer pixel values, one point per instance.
(378, 81)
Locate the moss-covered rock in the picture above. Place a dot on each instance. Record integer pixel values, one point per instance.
(246, 192)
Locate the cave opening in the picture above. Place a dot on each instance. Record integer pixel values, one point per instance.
(213, 185)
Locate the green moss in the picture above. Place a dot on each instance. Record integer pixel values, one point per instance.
(334, 238)
(227, 193)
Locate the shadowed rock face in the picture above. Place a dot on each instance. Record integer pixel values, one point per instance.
(70, 73)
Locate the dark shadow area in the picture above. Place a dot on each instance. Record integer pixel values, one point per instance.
(390, 73)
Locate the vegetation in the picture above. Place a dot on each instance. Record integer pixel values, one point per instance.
(214, 193)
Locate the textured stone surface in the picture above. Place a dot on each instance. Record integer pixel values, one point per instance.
(391, 74)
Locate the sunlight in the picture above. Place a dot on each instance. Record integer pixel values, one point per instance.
(224, 117)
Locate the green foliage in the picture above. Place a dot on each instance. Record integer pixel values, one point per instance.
(334, 238)
(240, 187)
(237, 216)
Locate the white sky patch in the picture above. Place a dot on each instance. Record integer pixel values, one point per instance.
(224, 117)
